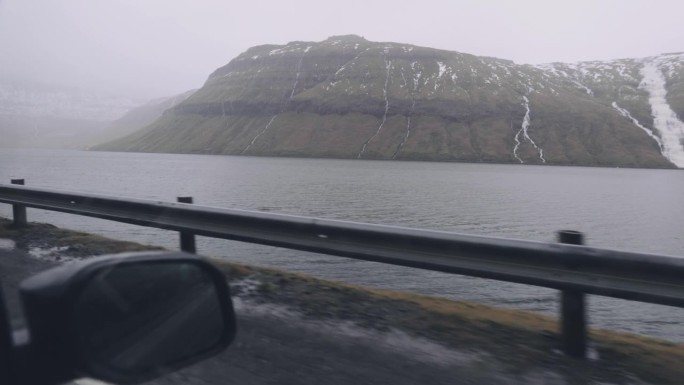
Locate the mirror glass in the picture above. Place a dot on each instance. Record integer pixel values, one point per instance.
(139, 317)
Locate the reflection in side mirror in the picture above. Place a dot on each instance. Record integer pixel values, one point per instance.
(136, 318)
(125, 318)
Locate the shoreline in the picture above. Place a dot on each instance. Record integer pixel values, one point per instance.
(673, 168)
(395, 160)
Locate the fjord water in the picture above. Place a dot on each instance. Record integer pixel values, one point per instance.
(631, 209)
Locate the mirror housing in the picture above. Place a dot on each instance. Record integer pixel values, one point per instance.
(124, 318)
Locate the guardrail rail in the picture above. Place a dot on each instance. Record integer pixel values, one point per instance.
(568, 266)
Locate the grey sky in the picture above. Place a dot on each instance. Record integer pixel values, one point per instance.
(149, 48)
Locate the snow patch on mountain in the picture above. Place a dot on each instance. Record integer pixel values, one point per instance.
(585, 88)
(442, 69)
(417, 74)
(670, 63)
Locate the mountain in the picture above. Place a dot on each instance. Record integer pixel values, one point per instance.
(35, 115)
(347, 97)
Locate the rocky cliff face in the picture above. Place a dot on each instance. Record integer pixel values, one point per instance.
(350, 98)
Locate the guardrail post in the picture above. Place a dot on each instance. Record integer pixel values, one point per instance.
(187, 240)
(19, 211)
(573, 315)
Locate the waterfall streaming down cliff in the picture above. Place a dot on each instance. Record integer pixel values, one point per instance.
(388, 65)
(665, 120)
(523, 130)
(624, 112)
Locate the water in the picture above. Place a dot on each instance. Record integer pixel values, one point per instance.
(630, 209)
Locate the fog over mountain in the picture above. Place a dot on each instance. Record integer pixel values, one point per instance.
(39, 116)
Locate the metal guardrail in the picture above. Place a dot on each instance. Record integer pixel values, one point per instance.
(574, 269)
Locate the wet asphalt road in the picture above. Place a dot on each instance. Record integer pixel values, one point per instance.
(275, 346)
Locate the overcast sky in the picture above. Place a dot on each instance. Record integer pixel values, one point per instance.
(149, 48)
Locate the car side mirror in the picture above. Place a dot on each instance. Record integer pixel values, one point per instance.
(125, 318)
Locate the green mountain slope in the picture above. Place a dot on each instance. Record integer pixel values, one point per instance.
(347, 97)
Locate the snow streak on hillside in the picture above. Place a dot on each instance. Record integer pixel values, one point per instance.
(664, 118)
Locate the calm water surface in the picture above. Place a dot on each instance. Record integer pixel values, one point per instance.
(631, 209)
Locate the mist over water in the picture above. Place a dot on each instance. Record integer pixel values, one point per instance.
(630, 209)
